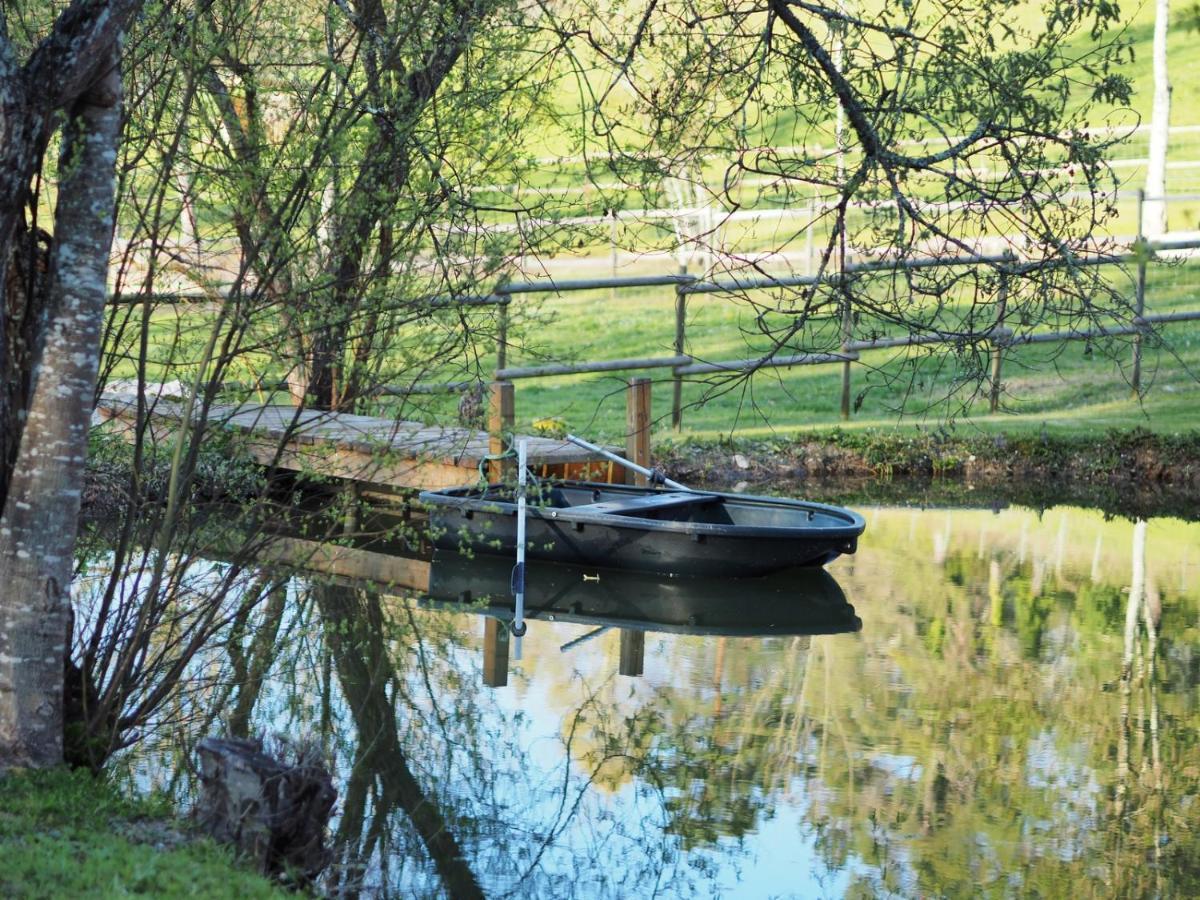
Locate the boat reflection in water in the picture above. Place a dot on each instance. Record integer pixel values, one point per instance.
(802, 601)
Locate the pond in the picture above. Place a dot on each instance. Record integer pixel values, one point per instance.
(1010, 707)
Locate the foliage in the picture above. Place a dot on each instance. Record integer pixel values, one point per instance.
(223, 468)
(996, 98)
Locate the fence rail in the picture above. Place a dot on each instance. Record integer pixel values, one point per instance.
(683, 364)
(999, 337)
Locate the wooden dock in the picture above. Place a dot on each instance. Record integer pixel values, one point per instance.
(362, 449)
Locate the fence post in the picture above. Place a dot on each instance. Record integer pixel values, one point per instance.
(998, 337)
(502, 328)
(994, 401)
(680, 340)
(637, 427)
(847, 334)
(501, 416)
(612, 240)
(1143, 252)
(808, 234)
(847, 314)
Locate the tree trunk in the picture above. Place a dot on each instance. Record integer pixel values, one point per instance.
(21, 310)
(21, 143)
(1154, 214)
(38, 526)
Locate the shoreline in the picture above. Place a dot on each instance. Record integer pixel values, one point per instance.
(1129, 473)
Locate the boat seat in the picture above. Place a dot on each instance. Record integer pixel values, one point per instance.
(642, 503)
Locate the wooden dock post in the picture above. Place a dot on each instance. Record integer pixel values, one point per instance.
(495, 652)
(501, 418)
(633, 652)
(637, 427)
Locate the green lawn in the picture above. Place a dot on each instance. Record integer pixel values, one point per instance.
(779, 127)
(1069, 387)
(67, 834)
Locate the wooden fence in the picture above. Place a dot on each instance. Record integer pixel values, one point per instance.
(683, 364)
(1000, 337)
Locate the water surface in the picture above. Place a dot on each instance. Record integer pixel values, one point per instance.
(1016, 716)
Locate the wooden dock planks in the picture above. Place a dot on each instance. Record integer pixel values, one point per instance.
(362, 449)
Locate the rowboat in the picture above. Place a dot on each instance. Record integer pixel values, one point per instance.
(647, 529)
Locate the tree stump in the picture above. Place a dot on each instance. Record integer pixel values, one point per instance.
(274, 813)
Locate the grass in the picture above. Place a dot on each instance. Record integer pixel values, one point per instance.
(778, 126)
(1069, 388)
(67, 834)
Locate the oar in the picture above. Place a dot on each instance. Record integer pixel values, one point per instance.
(583, 638)
(655, 476)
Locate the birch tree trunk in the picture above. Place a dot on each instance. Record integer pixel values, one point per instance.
(1154, 222)
(62, 68)
(39, 522)
(20, 295)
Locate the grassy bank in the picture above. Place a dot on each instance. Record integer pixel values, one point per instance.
(67, 834)
(1130, 473)
(1138, 454)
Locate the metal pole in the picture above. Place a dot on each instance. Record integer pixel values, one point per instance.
(584, 638)
(622, 461)
(518, 575)
(680, 340)
(1143, 251)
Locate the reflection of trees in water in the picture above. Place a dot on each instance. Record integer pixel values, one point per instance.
(996, 724)
(980, 744)
(991, 754)
(437, 772)
(440, 790)
(719, 759)
(381, 778)
(1146, 822)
